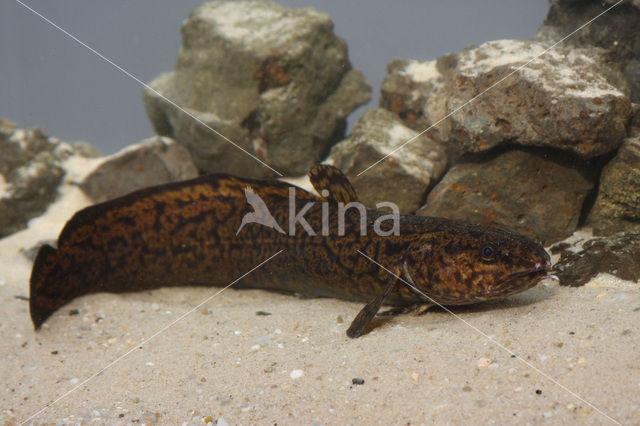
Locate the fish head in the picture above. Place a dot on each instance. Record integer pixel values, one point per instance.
(470, 263)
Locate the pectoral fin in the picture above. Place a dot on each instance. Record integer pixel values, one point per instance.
(370, 310)
(329, 178)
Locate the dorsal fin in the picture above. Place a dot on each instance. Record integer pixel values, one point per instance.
(329, 178)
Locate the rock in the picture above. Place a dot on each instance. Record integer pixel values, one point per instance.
(86, 150)
(153, 161)
(30, 172)
(561, 100)
(408, 89)
(616, 32)
(617, 206)
(616, 255)
(7, 126)
(275, 81)
(402, 178)
(528, 191)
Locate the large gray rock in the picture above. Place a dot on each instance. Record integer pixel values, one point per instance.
(153, 161)
(30, 173)
(403, 177)
(616, 32)
(617, 206)
(562, 100)
(274, 80)
(533, 193)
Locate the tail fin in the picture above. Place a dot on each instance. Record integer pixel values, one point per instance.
(45, 287)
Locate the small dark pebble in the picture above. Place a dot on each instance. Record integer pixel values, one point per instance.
(513, 355)
(73, 312)
(54, 352)
(99, 319)
(538, 392)
(20, 297)
(263, 313)
(572, 333)
(357, 381)
(121, 415)
(636, 309)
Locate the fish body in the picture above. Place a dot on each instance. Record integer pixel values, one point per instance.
(213, 229)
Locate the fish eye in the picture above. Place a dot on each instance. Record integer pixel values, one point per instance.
(488, 253)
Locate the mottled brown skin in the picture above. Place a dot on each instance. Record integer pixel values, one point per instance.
(185, 234)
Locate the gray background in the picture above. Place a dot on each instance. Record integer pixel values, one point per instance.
(50, 81)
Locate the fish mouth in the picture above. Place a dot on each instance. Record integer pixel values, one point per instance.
(538, 268)
(522, 280)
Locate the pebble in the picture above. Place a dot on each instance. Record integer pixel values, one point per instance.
(264, 340)
(255, 348)
(483, 362)
(263, 313)
(296, 374)
(538, 392)
(357, 381)
(155, 306)
(224, 399)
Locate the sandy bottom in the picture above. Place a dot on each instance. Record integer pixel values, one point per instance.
(122, 359)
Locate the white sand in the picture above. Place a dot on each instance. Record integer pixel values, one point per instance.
(296, 365)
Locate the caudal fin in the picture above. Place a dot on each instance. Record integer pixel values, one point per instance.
(46, 289)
